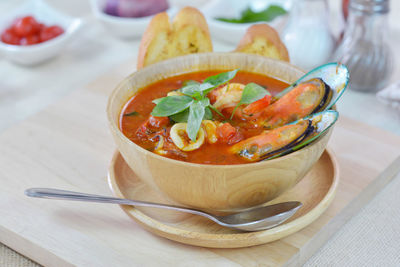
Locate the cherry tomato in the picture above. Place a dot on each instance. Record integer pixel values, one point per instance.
(228, 134)
(9, 37)
(30, 39)
(26, 26)
(150, 126)
(50, 32)
(41, 27)
(158, 122)
(27, 31)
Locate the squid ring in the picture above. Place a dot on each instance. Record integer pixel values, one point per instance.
(177, 132)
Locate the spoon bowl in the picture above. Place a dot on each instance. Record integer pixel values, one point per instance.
(260, 218)
(254, 219)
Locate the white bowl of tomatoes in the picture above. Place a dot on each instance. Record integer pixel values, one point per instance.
(35, 33)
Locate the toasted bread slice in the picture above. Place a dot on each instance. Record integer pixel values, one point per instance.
(154, 43)
(162, 40)
(190, 33)
(263, 40)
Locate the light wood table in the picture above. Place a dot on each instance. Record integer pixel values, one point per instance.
(370, 238)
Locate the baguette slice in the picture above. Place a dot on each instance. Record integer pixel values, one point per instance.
(186, 35)
(154, 43)
(263, 40)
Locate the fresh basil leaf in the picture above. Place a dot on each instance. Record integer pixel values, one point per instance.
(198, 96)
(221, 78)
(207, 114)
(184, 115)
(205, 102)
(133, 113)
(189, 82)
(268, 14)
(190, 89)
(196, 90)
(157, 100)
(251, 93)
(230, 20)
(181, 116)
(170, 105)
(196, 114)
(248, 15)
(206, 86)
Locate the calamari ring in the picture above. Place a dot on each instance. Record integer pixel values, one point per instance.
(177, 132)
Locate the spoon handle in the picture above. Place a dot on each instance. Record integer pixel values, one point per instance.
(51, 193)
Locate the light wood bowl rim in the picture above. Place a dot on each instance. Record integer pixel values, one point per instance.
(222, 240)
(115, 126)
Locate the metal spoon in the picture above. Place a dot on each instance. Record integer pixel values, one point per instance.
(254, 219)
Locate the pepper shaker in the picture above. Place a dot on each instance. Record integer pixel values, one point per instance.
(364, 49)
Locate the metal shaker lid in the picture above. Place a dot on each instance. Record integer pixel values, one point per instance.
(370, 6)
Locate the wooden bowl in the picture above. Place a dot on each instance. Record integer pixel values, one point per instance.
(212, 187)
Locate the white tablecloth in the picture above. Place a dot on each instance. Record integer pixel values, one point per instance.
(370, 238)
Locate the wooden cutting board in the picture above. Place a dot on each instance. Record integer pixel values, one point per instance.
(68, 146)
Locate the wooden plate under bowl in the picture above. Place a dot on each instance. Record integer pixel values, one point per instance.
(316, 191)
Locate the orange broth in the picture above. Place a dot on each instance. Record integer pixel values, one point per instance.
(208, 153)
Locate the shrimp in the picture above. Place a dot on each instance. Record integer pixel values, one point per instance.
(228, 96)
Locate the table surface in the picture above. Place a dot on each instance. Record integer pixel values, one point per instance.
(370, 238)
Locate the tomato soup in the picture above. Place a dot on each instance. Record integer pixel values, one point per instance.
(219, 128)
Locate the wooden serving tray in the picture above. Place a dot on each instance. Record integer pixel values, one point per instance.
(68, 146)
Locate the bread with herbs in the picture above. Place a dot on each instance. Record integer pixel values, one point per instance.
(263, 40)
(188, 33)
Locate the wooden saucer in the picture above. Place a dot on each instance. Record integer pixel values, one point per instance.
(316, 191)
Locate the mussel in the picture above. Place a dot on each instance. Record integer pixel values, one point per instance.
(316, 91)
(273, 141)
(298, 115)
(335, 75)
(285, 139)
(320, 122)
(304, 99)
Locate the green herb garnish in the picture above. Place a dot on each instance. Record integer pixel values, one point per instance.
(170, 105)
(181, 116)
(189, 82)
(196, 114)
(133, 113)
(251, 93)
(249, 16)
(221, 78)
(194, 106)
(184, 115)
